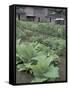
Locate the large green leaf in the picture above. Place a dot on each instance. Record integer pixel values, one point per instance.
(21, 67)
(53, 72)
(25, 51)
(42, 64)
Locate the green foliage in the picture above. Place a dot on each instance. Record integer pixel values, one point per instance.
(34, 57)
(38, 47)
(56, 44)
(42, 28)
(52, 72)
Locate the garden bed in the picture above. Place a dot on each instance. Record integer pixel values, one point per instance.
(40, 52)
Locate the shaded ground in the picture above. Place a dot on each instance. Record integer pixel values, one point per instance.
(62, 67)
(23, 77)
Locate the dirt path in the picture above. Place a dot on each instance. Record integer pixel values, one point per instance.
(23, 77)
(62, 69)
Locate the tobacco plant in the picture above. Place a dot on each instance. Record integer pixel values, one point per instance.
(38, 58)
